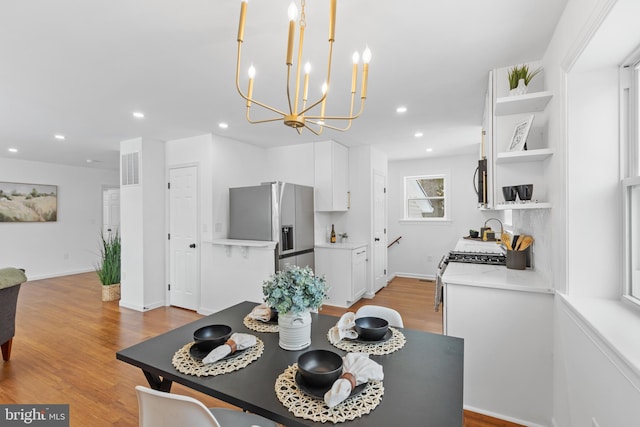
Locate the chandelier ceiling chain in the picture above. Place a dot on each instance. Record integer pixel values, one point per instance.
(295, 117)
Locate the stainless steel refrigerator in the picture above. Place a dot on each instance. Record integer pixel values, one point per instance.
(279, 212)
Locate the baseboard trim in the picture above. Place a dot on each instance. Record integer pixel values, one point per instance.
(144, 308)
(412, 276)
(58, 274)
(501, 416)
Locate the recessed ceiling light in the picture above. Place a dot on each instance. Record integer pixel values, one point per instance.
(60, 137)
(13, 150)
(138, 115)
(223, 125)
(428, 150)
(93, 161)
(401, 110)
(418, 134)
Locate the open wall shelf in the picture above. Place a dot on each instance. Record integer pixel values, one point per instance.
(530, 102)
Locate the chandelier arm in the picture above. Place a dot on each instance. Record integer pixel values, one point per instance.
(313, 130)
(338, 117)
(253, 122)
(332, 127)
(275, 110)
(324, 95)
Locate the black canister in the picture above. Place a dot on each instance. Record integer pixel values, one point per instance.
(516, 260)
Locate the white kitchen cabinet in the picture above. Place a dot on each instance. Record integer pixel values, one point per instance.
(331, 177)
(344, 266)
(506, 320)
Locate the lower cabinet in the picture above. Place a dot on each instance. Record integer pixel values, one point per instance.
(345, 268)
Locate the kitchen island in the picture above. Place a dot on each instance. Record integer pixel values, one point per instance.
(506, 320)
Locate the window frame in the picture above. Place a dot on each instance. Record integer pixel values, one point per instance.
(445, 198)
(630, 169)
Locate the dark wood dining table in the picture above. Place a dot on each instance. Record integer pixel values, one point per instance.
(422, 380)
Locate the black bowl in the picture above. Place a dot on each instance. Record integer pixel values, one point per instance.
(320, 368)
(371, 328)
(212, 336)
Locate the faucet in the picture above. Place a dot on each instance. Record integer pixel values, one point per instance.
(501, 227)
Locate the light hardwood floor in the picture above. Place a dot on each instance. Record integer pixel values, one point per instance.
(66, 339)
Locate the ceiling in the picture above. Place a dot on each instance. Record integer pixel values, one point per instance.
(80, 68)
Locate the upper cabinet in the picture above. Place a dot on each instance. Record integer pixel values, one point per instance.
(517, 129)
(331, 176)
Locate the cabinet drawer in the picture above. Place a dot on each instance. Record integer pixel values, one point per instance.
(359, 255)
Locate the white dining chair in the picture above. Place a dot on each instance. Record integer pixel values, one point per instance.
(160, 409)
(386, 313)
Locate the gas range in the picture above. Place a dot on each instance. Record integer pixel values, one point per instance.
(477, 257)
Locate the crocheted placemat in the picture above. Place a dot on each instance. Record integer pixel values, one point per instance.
(310, 408)
(396, 342)
(186, 364)
(258, 326)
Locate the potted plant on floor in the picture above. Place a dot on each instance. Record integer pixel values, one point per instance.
(293, 292)
(108, 268)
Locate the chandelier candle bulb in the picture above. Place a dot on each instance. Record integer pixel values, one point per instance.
(305, 93)
(354, 74)
(243, 16)
(366, 58)
(332, 21)
(293, 11)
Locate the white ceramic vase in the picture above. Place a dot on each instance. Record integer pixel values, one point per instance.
(294, 330)
(520, 90)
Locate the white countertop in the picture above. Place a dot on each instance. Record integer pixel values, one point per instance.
(245, 243)
(347, 245)
(495, 276)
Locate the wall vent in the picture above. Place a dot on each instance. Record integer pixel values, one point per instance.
(130, 168)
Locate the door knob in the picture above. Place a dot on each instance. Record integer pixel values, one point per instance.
(377, 239)
(193, 245)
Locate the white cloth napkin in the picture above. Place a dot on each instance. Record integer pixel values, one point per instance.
(242, 341)
(261, 312)
(344, 328)
(362, 368)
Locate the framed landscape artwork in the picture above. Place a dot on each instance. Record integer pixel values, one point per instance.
(20, 202)
(520, 134)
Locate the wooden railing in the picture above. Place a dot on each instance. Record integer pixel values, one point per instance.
(394, 242)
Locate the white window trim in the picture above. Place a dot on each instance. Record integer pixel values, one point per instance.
(630, 169)
(447, 214)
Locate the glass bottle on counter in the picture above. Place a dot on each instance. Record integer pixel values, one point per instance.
(333, 234)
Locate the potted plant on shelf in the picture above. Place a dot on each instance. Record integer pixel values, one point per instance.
(519, 78)
(293, 292)
(108, 268)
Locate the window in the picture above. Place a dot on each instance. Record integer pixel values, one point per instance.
(631, 179)
(424, 197)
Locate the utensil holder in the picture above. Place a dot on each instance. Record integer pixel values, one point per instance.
(517, 260)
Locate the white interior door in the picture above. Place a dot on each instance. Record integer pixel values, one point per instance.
(184, 251)
(110, 211)
(379, 254)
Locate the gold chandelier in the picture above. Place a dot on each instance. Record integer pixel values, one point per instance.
(298, 115)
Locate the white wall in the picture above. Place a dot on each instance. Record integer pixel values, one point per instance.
(292, 163)
(593, 378)
(423, 244)
(69, 245)
(143, 229)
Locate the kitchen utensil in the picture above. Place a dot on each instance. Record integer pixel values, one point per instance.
(521, 237)
(211, 336)
(506, 241)
(526, 242)
(514, 241)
